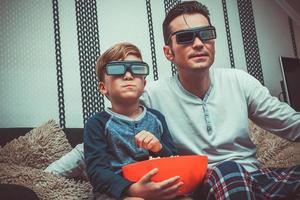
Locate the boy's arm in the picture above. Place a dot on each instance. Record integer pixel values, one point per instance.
(101, 176)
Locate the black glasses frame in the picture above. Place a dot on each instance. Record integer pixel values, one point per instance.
(196, 32)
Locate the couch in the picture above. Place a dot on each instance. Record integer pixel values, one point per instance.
(26, 152)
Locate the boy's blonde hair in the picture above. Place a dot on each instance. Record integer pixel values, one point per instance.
(117, 52)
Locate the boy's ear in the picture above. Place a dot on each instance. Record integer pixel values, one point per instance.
(102, 88)
(168, 52)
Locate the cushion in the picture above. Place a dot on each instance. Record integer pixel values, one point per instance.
(38, 148)
(23, 160)
(274, 151)
(45, 185)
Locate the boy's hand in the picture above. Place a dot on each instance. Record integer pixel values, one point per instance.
(146, 189)
(147, 140)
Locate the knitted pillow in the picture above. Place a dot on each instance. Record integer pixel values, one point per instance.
(38, 148)
(45, 185)
(274, 151)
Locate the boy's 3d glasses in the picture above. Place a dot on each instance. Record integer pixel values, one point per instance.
(188, 36)
(118, 68)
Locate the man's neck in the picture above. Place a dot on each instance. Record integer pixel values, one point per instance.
(196, 83)
(129, 110)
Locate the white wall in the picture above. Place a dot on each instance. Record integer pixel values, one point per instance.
(274, 40)
(27, 63)
(27, 54)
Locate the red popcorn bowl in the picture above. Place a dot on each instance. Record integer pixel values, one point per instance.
(191, 170)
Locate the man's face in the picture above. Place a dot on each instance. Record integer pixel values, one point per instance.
(192, 56)
(124, 88)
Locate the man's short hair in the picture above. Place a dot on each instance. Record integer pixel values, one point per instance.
(117, 52)
(186, 7)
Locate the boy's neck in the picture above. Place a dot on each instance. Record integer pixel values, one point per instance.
(131, 110)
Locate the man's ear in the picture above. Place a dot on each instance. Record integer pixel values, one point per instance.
(145, 82)
(102, 88)
(168, 52)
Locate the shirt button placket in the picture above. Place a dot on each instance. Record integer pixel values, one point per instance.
(207, 119)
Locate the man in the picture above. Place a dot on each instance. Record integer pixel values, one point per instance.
(209, 109)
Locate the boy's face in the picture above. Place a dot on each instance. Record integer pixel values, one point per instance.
(127, 87)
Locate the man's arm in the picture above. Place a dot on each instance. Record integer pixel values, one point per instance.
(268, 112)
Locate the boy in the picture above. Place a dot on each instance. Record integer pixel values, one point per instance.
(127, 132)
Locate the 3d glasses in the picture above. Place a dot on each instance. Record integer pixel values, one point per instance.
(188, 36)
(118, 68)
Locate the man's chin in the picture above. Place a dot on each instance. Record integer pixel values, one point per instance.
(200, 66)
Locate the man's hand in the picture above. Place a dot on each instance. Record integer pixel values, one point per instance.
(146, 189)
(147, 140)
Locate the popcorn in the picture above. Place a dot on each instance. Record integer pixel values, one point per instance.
(152, 158)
